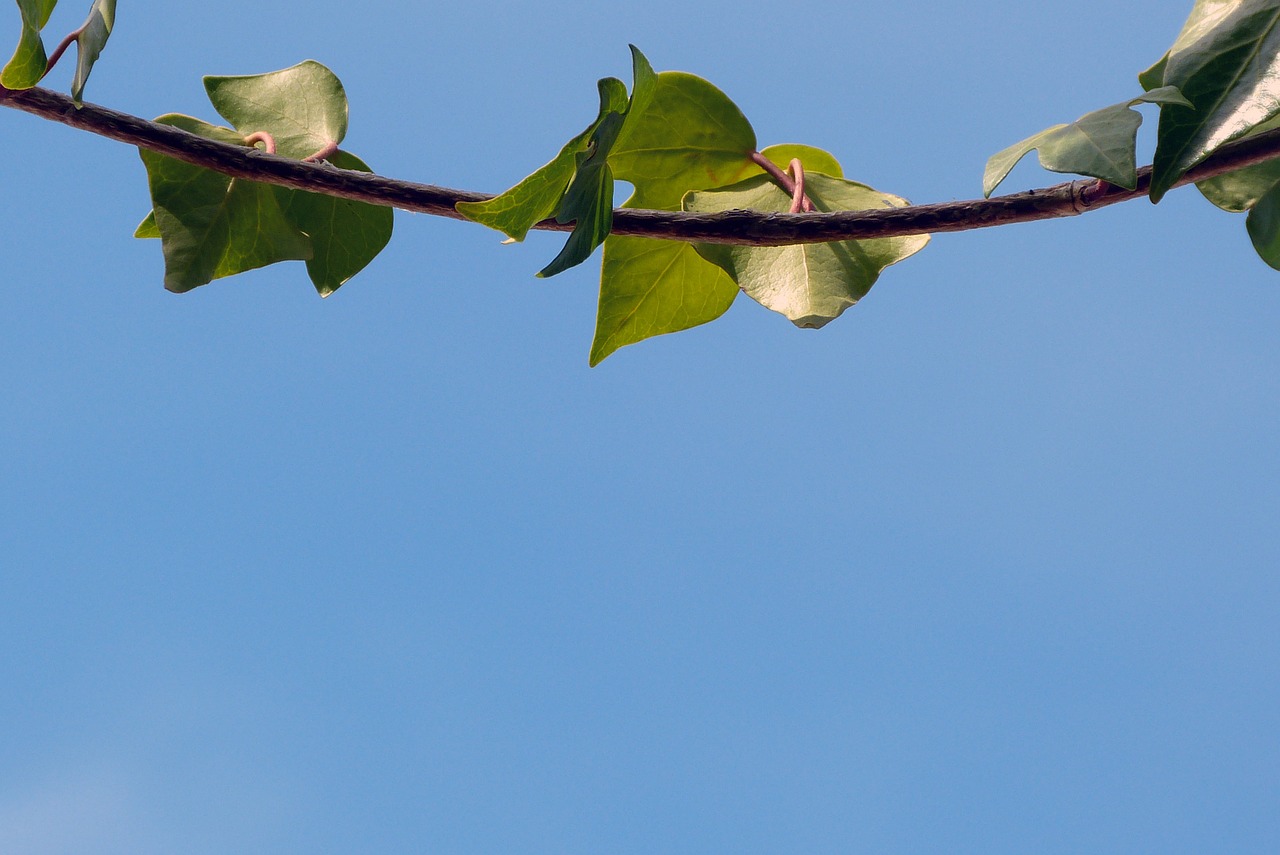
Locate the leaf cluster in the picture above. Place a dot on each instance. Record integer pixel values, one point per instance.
(684, 146)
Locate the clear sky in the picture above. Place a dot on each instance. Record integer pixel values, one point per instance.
(987, 565)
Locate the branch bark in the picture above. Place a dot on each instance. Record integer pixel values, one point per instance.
(745, 228)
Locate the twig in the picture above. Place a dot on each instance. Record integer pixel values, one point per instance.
(744, 228)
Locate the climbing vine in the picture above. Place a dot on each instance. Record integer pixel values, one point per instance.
(712, 215)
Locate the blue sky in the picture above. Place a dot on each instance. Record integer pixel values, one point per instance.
(987, 565)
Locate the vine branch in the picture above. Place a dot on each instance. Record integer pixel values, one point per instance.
(743, 228)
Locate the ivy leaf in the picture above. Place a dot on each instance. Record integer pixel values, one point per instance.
(1153, 77)
(1100, 144)
(212, 225)
(29, 61)
(90, 42)
(1226, 61)
(810, 284)
(345, 234)
(812, 159)
(1263, 225)
(588, 203)
(689, 137)
(304, 107)
(148, 228)
(538, 196)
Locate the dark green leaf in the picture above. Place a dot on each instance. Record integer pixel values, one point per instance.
(538, 197)
(1226, 61)
(212, 225)
(589, 200)
(29, 61)
(303, 107)
(92, 39)
(345, 235)
(1100, 144)
(810, 284)
(1263, 224)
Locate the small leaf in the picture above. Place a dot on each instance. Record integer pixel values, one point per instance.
(589, 200)
(345, 234)
(813, 159)
(1263, 225)
(652, 287)
(303, 107)
(29, 61)
(147, 228)
(588, 203)
(1100, 144)
(212, 225)
(538, 197)
(89, 44)
(1226, 61)
(810, 284)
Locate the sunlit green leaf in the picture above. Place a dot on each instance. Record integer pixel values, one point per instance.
(29, 61)
(92, 39)
(303, 107)
(811, 283)
(813, 159)
(148, 228)
(212, 225)
(1100, 144)
(653, 287)
(1226, 61)
(345, 234)
(538, 197)
(691, 136)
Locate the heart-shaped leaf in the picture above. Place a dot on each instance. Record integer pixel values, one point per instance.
(810, 284)
(345, 234)
(304, 107)
(1226, 61)
(1100, 144)
(212, 225)
(29, 60)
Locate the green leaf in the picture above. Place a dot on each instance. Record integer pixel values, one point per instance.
(89, 44)
(810, 284)
(148, 228)
(345, 235)
(1100, 144)
(29, 61)
(538, 196)
(1263, 225)
(812, 159)
(1153, 77)
(589, 200)
(652, 287)
(588, 203)
(212, 225)
(303, 107)
(1240, 190)
(690, 136)
(1226, 61)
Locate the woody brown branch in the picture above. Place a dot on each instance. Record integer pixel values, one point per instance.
(744, 228)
